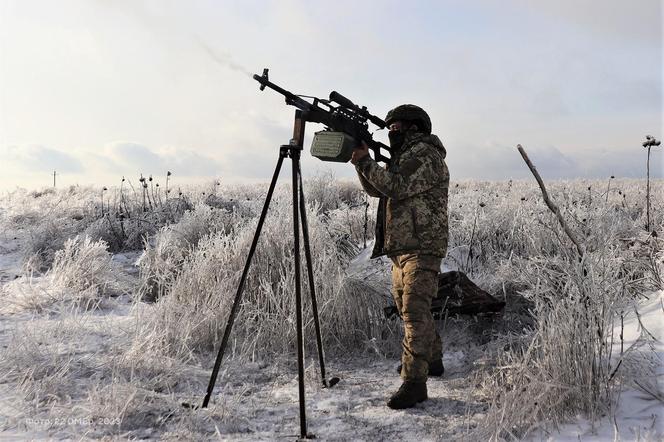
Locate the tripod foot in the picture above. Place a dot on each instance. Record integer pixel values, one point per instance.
(331, 383)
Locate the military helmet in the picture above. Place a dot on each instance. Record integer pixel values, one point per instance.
(410, 112)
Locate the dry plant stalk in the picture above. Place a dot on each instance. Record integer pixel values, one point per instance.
(650, 142)
(579, 248)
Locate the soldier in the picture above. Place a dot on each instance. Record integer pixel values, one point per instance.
(411, 228)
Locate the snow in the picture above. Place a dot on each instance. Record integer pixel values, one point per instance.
(255, 401)
(638, 415)
(9, 257)
(259, 401)
(355, 408)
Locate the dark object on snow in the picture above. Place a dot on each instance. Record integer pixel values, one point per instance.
(458, 295)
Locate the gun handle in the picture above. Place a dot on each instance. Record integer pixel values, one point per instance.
(376, 147)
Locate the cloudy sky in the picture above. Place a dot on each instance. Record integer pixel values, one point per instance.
(100, 89)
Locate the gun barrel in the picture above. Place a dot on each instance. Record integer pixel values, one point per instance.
(265, 82)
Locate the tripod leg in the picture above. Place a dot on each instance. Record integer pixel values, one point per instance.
(295, 157)
(240, 288)
(312, 287)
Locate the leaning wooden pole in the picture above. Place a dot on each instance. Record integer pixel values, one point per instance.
(579, 248)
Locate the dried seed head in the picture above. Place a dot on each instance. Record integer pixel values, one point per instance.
(169, 173)
(651, 141)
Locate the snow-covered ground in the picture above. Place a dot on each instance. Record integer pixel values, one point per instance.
(639, 413)
(70, 373)
(252, 401)
(260, 400)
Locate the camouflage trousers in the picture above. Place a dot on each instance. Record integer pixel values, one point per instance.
(414, 285)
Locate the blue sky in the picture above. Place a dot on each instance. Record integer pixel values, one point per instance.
(103, 89)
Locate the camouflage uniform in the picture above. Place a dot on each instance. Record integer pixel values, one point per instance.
(412, 230)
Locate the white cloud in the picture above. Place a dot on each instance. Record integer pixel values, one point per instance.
(583, 76)
(501, 162)
(39, 159)
(135, 158)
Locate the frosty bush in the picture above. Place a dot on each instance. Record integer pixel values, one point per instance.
(194, 311)
(83, 271)
(327, 193)
(563, 366)
(164, 254)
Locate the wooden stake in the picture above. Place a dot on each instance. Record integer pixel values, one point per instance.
(579, 248)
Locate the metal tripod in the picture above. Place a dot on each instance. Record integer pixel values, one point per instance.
(292, 151)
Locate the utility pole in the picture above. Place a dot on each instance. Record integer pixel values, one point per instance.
(54, 178)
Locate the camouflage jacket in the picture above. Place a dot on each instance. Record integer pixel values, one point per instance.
(412, 212)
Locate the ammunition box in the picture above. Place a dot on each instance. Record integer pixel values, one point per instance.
(333, 146)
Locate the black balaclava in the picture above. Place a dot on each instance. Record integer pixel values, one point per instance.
(398, 137)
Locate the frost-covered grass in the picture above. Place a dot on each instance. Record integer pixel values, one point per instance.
(49, 217)
(114, 348)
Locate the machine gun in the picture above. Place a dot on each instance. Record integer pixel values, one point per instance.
(346, 123)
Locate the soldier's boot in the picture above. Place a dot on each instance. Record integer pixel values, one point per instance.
(408, 395)
(436, 368)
